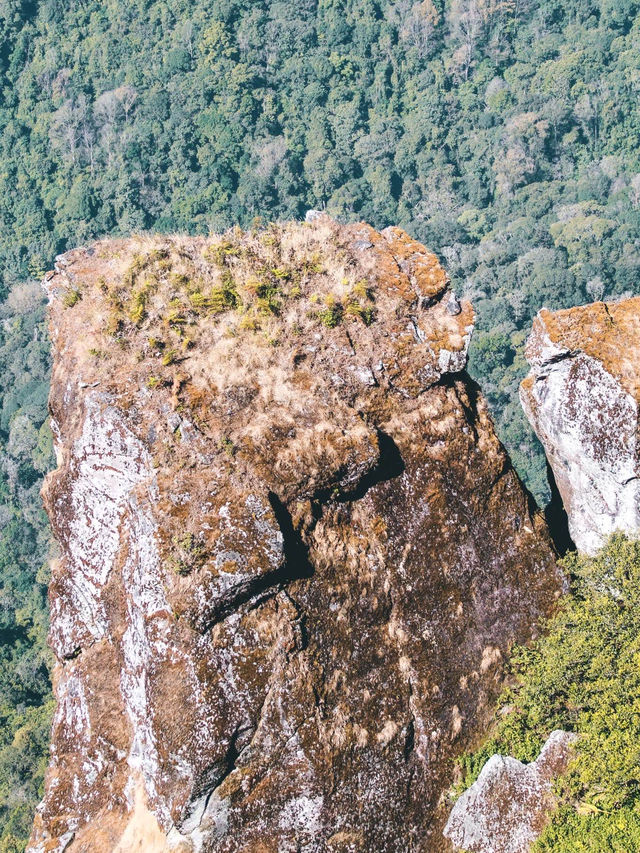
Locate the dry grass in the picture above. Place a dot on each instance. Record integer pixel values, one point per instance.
(160, 298)
(259, 285)
(278, 316)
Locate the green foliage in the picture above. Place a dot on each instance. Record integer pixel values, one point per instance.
(583, 676)
(71, 298)
(25, 455)
(227, 445)
(188, 553)
(331, 315)
(225, 296)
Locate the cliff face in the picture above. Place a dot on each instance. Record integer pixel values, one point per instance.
(581, 397)
(293, 552)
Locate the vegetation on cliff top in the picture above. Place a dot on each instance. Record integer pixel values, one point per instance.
(583, 676)
(196, 313)
(261, 281)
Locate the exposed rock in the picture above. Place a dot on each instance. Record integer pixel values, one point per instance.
(314, 215)
(453, 305)
(581, 397)
(294, 552)
(509, 804)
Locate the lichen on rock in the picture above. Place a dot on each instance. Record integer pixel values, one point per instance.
(581, 398)
(508, 806)
(294, 553)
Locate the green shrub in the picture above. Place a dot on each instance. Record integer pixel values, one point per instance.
(583, 676)
(331, 316)
(71, 298)
(188, 553)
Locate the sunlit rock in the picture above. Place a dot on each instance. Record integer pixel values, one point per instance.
(293, 552)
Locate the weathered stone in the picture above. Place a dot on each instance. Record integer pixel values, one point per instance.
(453, 305)
(509, 804)
(275, 635)
(581, 397)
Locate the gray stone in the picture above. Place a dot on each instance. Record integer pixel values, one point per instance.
(453, 305)
(509, 804)
(174, 421)
(581, 397)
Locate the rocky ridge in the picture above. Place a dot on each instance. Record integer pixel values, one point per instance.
(293, 551)
(581, 398)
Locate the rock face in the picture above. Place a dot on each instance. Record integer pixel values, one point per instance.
(507, 807)
(293, 551)
(581, 397)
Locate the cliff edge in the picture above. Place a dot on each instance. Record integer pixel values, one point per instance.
(581, 398)
(293, 551)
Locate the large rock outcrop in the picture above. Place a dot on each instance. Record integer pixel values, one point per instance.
(293, 551)
(581, 397)
(509, 804)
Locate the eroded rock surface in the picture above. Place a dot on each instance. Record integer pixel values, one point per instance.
(581, 397)
(294, 552)
(508, 806)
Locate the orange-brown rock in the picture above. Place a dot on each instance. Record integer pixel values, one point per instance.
(582, 397)
(293, 551)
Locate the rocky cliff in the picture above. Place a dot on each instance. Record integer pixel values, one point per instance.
(293, 551)
(581, 397)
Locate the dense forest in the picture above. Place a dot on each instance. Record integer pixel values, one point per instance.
(504, 134)
(25, 690)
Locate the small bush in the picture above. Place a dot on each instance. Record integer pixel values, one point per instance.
(331, 316)
(189, 553)
(71, 298)
(248, 323)
(136, 310)
(365, 313)
(218, 253)
(227, 446)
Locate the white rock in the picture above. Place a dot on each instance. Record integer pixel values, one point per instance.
(506, 808)
(587, 423)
